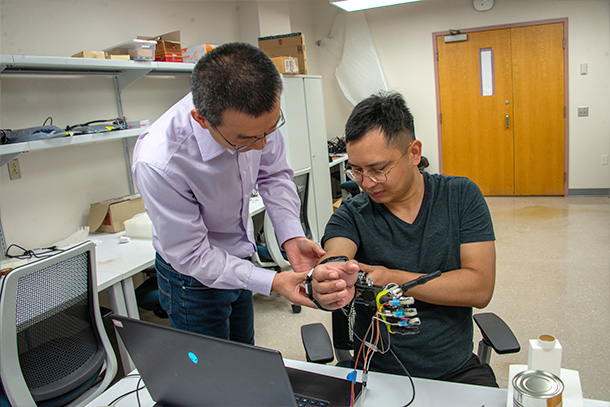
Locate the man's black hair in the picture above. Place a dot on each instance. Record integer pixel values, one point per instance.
(386, 111)
(235, 76)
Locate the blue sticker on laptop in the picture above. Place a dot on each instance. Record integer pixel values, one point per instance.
(193, 357)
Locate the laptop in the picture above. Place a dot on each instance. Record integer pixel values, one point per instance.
(181, 368)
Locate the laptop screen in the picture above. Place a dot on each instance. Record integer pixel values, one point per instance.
(181, 368)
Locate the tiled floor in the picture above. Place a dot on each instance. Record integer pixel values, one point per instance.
(553, 276)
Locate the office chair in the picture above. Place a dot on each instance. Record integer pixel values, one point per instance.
(268, 251)
(496, 334)
(55, 350)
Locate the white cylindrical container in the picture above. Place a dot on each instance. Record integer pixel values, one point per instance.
(545, 354)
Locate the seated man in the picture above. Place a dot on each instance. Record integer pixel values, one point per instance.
(407, 224)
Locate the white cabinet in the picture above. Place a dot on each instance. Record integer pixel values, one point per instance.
(305, 134)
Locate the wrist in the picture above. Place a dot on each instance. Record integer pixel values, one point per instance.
(334, 259)
(309, 290)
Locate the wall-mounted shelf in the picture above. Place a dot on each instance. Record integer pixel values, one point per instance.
(124, 73)
(10, 151)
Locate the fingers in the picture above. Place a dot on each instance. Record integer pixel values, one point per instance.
(334, 300)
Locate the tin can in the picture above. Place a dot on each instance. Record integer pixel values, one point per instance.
(537, 388)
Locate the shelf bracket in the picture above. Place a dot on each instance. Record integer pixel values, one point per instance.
(123, 80)
(128, 77)
(5, 158)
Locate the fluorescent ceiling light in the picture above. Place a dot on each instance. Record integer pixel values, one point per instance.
(355, 5)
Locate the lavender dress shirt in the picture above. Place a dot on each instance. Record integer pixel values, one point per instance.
(197, 195)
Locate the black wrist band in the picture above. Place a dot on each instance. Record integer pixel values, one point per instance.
(308, 287)
(334, 259)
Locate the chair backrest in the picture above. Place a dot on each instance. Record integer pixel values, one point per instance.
(272, 248)
(54, 345)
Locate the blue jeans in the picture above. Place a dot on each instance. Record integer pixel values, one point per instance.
(192, 306)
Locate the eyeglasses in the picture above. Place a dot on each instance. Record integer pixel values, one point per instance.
(280, 122)
(377, 176)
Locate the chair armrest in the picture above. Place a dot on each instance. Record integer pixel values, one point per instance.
(496, 333)
(318, 347)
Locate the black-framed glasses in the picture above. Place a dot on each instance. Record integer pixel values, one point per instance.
(280, 122)
(377, 176)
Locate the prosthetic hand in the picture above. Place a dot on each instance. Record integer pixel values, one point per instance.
(392, 306)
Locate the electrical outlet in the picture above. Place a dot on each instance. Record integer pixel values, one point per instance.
(605, 159)
(583, 111)
(14, 172)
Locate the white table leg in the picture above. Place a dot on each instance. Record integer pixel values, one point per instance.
(129, 292)
(117, 303)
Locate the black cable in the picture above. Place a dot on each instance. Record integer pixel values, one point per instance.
(118, 120)
(408, 375)
(136, 390)
(45, 121)
(28, 254)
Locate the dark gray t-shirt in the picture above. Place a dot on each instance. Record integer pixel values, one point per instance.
(453, 212)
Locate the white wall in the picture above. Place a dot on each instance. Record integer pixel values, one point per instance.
(403, 38)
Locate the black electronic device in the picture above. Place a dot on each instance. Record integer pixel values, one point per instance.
(390, 303)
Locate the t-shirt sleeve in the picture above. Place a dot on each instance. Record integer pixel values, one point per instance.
(475, 219)
(342, 224)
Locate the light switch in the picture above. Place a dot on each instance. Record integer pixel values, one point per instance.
(584, 69)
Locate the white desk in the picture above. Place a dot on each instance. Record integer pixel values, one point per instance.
(382, 390)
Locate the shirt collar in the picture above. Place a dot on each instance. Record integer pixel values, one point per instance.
(208, 147)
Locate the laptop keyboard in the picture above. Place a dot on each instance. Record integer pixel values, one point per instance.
(304, 401)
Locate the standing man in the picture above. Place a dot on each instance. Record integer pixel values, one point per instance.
(407, 224)
(195, 168)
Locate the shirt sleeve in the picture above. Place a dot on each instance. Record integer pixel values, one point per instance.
(279, 191)
(475, 219)
(181, 236)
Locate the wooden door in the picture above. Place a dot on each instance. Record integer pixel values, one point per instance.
(539, 117)
(508, 136)
(476, 142)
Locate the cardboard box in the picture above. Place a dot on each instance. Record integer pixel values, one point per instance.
(138, 49)
(336, 204)
(109, 216)
(292, 45)
(169, 48)
(193, 54)
(121, 57)
(89, 54)
(287, 65)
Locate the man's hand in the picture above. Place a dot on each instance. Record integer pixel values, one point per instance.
(303, 254)
(333, 283)
(382, 275)
(288, 285)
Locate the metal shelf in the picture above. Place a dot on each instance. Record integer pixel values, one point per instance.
(28, 64)
(10, 151)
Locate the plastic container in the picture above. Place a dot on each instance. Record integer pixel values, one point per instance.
(138, 50)
(139, 226)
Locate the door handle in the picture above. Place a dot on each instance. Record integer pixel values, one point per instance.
(507, 121)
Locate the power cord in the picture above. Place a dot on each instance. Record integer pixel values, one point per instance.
(136, 390)
(39, 253)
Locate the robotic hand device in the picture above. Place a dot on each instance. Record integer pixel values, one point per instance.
(392, 306)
